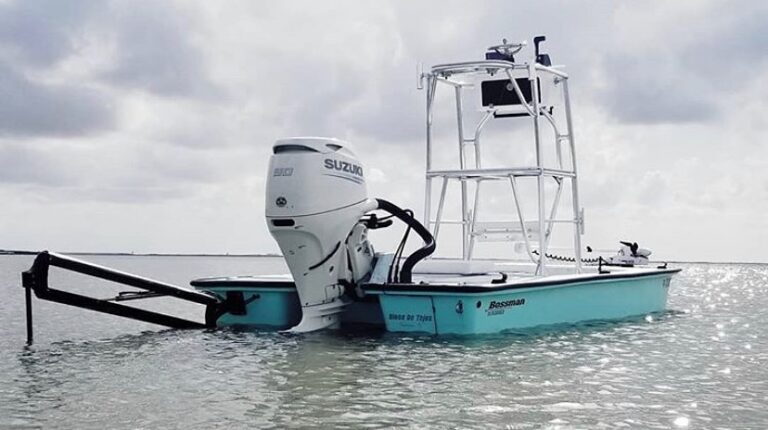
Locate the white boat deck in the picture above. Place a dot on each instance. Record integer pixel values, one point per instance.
(513, 274)
(516, 278)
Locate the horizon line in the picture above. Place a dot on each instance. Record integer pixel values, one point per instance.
(267, 254)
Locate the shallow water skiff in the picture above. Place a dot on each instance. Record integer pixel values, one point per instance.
(320, 214)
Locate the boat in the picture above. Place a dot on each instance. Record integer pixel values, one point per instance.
(318, 210)
(337, 278)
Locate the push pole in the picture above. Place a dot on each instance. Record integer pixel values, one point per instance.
(28, 298)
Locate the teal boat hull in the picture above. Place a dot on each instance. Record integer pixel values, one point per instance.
(271, 308)
(451, 312)
(456, 309)
(272, 304)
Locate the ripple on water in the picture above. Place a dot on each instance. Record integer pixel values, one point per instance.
(700, 365)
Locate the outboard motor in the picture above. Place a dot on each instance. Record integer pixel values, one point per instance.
(630, 254)
(316, 195)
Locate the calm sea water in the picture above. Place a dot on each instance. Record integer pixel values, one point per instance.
(702, 365)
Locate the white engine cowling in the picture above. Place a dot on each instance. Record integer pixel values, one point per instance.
(315, 196)
(630, 254)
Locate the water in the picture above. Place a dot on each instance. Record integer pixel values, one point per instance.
(703, 365)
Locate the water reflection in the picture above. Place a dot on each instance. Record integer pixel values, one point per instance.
(700, 365)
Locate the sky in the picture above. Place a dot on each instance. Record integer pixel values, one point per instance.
(146, 126)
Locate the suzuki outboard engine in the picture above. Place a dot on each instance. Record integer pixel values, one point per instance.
(316, 195)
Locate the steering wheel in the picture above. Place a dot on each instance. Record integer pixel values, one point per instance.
(508, 49)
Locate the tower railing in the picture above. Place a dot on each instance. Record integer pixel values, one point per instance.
(524, 84)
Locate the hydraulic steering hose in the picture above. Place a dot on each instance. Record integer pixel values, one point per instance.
(421, 253)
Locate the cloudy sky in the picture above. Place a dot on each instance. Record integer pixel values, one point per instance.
(146, 125)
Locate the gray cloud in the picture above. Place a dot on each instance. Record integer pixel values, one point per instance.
(43, 32)
(314, 98)
(115, 194)
(685, 79)
(638, 93)
(154, 52)
(393, 109)
(29, 108)
(732, 48)
(193, 95)
(385, 106)
(23, 164)
(129, 172)
(34, 37)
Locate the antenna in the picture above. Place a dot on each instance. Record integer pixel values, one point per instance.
(420, 72)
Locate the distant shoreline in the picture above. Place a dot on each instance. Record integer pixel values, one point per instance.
(181, 254)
